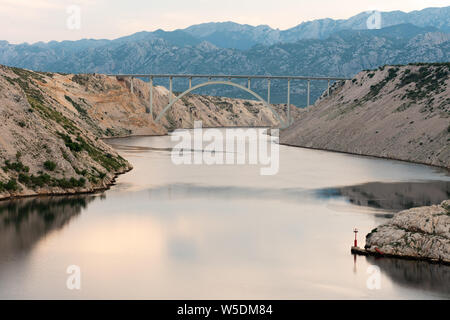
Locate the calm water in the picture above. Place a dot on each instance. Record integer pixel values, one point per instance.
(175, 232)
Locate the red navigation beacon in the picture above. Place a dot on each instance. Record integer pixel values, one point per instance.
(356, 240)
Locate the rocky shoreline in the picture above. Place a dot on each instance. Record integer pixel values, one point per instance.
(447, 167)
(48, 192)
(421, 233)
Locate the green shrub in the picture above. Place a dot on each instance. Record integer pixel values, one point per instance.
(49, 165)
(73, 146)
(11, 185)
(16, 166)
(77, 106)
(41, 180)
(24, 178)
(71, 183)
(82, 182)
(93, 180)
(81, 172)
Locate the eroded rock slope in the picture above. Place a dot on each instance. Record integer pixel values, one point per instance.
(398, 112)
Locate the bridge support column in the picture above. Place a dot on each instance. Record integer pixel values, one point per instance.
(268, 91)
(131, 85)
(249, 84)
(170, 89)
(190, 83)
(328, 89)
(150, 110)
(308, 95)
(288, 115)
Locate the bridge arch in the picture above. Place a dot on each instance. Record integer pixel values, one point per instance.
(283, 124)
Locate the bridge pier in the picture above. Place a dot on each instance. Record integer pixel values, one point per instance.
(131, 85)
(170, 89)
(268, 91)
(150, 110)
(328, 88)
(288, 115)
(308, 93)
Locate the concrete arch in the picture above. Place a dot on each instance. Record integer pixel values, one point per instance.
(228, 83)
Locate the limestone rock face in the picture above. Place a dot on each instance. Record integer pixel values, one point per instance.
(422, 232)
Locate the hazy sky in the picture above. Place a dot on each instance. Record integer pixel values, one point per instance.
(44, 20)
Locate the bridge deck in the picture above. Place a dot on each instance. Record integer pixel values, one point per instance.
(224, 76)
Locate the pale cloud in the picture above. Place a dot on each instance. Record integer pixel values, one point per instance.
(35, 4)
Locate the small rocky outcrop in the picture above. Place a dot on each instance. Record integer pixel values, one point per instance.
(419, 233)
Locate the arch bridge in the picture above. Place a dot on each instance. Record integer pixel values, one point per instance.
(227, 80)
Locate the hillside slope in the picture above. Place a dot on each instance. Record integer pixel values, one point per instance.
(44, 148)
(398, 112)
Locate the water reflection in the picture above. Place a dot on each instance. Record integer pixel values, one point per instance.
(385, 196)
(167, 231)
(415, 274)
(393, 196)
(23, 222)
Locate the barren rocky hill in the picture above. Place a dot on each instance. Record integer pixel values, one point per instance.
(44, 147)
(51, 125)
(398, 112)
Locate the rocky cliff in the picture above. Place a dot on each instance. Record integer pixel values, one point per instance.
(397, 112)
(422, 233)
(45, 147)
(51, 125)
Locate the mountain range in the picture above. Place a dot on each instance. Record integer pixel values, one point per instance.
(316, 48)
(233, 35)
